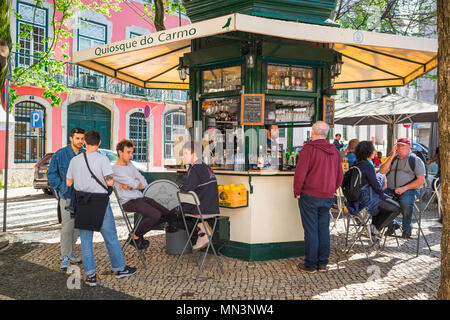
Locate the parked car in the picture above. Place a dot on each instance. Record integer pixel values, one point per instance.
(420, 147)
(40, 180)
(112, 156)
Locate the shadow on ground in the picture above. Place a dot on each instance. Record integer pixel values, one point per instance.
(23, 280)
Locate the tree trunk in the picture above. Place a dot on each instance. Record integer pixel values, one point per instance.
(159, 15)
(444, 140)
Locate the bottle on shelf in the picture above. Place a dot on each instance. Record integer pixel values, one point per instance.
(286, 80)
(292, 80)
(269, 81)
(260, 158)
(280, 157)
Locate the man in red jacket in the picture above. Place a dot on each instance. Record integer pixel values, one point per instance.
(317, 177)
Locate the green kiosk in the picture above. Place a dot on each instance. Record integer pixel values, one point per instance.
(253, 68)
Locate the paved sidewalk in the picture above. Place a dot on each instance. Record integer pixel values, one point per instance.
(19, 192)
(30, 270)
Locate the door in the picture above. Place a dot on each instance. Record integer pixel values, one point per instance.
(90, 116)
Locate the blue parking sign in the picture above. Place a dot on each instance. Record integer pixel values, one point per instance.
(36, 119)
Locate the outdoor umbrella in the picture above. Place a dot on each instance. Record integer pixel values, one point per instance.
(391, 109)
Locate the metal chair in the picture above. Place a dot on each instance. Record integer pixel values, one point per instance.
(191, 197)
(436, 194)
(360, 226)
(340, 199)
(164, 192)
(131, 229)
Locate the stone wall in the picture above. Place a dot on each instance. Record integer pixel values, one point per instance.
(22, 177)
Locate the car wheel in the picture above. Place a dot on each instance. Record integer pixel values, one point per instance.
(48, 191)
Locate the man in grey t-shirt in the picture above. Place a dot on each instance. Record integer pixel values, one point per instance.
(403, 181)
(128, 182)
(79, 175)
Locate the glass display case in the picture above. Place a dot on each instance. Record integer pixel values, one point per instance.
(221, 79)
(290, 78)
(293, 110)
(221, 110)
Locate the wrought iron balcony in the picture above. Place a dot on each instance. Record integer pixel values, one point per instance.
(81, 78)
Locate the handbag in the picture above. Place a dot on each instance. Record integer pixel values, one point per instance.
(91, 207)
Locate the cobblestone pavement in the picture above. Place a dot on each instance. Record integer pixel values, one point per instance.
(29, 269)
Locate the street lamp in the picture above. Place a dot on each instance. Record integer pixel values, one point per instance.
(183, 71)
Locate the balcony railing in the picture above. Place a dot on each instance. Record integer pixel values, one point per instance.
(78, 77)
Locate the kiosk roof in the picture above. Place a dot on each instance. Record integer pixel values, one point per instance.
(370, 59)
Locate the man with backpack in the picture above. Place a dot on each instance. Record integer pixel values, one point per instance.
(405, 175)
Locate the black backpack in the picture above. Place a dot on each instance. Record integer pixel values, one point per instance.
(351, 184)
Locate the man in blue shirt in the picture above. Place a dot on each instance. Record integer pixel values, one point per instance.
(57, 179)
(337, 142)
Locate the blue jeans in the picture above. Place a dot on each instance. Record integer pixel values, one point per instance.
(315, 214)
(406, 201)
(109, 233)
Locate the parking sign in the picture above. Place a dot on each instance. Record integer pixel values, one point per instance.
(36, 119)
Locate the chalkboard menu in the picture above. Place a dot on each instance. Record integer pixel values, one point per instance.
(328, 111)
(188, 114)
(252, 109)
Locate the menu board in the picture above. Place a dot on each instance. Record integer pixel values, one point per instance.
(328, 111)
(189, 122)
(252, 109)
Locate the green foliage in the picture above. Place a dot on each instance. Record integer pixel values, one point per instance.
(5, 38)
(45, 70)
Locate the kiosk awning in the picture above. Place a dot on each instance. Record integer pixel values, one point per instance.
(370, 59)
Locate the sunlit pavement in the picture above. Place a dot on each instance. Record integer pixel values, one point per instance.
(29, 268)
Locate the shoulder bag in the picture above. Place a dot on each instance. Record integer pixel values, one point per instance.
(91, 207)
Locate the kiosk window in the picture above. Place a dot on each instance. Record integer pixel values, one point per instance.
(221, 79)
(290, 78)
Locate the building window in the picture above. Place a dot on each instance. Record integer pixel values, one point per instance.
(369, 94)
(346, 95)
(29, 144)
(358, 95)
(32, 21)
(174, 124)
(90, 34)
(139, 134)
(134, 34)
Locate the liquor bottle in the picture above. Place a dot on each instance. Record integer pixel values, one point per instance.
(286, 81)
(304, 85)
(297, 81)
(292, 80)
(260, 159)
(280, 157)
(269, 81)
(281, 81)
(309, 81)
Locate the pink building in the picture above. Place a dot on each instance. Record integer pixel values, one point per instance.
(114, 108)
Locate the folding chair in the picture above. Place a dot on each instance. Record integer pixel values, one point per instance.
(340, 199)
(191, 198)
(359, 229)
(419, 225)
(420, 230)
(436, 194)
(131, 229)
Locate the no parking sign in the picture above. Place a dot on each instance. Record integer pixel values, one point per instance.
(147, 111)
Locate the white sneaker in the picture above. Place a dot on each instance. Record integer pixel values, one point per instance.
(74, 259)
(201, 243)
